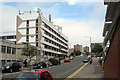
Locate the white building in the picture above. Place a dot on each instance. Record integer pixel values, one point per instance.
(35, 29)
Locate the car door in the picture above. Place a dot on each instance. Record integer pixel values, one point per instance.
(13, 66)
(42, 76)
(48, 76)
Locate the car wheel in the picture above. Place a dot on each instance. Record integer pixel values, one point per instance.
(11, 70)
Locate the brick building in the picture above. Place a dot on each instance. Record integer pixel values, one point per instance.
(78, 47)
(86, 48)
(71, 50)
(111, 42)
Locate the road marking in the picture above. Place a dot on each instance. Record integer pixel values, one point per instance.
(76, 72)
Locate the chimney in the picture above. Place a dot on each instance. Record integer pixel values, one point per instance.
(50, 18)
(19, 12)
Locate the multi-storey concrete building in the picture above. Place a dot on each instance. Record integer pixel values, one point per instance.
(35, 29)
(78, 47)
(10, 51)
(111, 42)
(11, 36)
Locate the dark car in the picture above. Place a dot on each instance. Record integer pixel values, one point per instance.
(40, 65)
(54, 61)
(85, 60)
(37, 74)
(11, 66)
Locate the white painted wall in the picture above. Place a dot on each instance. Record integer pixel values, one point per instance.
(32, 31)
(22, 25)
(22, 31)
(31, 38)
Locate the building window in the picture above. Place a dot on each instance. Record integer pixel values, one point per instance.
(36, 20)
(37, 44)
(36, 28)
(36, 36)
(9, 50)
(27, 21)
(3, 50)
(13, 50)
(10, 37)
(3, 37)
(27, 37)
(36, 24)
(27, 29)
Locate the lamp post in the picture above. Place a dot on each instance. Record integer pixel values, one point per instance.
(90, 45)
(70, 44)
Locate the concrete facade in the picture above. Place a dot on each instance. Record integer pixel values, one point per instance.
(10, 51)
(33, 28)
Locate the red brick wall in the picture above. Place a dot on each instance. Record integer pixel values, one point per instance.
(112, 63)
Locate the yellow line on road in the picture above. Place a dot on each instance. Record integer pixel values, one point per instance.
(76, 72)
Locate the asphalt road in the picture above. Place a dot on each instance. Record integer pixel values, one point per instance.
(57, 71)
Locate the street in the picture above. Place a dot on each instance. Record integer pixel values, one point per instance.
(58, 71)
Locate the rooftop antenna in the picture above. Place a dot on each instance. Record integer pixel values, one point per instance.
(38, 10)
(49, 17)
(30, 11)
(19, 12)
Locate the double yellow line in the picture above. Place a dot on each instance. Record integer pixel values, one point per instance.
(76, 72)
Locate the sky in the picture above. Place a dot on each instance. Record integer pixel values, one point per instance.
(79, 19)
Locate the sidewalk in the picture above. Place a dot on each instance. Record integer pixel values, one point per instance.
(91, 71)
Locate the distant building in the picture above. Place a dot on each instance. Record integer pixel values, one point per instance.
(78, 47)
(111, 44)
(71, 50)
(86, 48)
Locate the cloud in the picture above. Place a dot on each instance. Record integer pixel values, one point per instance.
(91, 26)
(76, 29)
(8, 18)
(69, 1)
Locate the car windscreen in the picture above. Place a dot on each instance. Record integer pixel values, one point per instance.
(8, 64)
(27, 75)
(66, 58)
(86, 59)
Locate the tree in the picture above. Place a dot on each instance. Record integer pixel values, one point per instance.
(29, 51)
(97, 49)
(87, 53)
(75, 53)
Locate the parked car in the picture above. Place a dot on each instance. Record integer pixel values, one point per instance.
(11, 66)
(54, 61)
(67, 59)
(85, 60)
(71, 57)
(40, 65)
(36, 74)
(48, 63)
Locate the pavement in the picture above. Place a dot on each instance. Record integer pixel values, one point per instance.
(91, 71)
